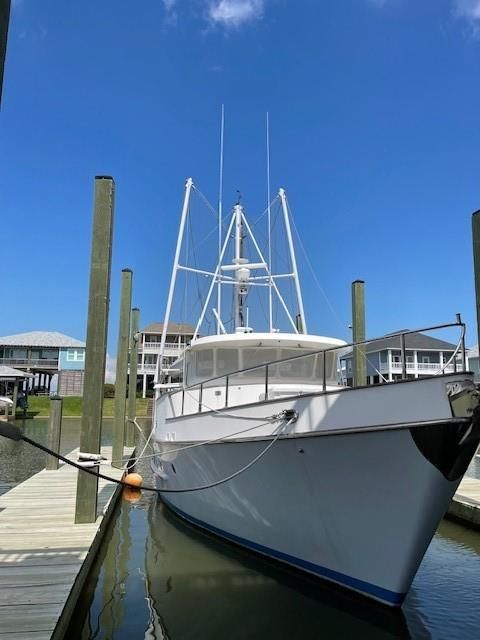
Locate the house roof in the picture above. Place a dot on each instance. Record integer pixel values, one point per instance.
(40, 339)
(7, 373)
(172, 329)
(413, 341)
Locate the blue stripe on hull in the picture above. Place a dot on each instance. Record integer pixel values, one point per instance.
(379, 593)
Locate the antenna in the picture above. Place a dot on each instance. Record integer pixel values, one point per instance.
(220, 216)
(270, 309)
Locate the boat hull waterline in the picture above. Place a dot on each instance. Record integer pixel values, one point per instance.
(357, 508)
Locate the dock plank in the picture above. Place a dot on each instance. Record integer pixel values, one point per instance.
(465, 505)
(42, 550)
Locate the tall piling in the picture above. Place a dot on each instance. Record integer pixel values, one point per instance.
(122, 369)
(476, 265)
(132, 378)
(96, 348)
(54, 431)
(358, 327)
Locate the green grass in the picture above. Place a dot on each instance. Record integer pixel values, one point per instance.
(72, 407)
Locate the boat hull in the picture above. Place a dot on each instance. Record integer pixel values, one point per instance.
(358, 509)
(352, 490)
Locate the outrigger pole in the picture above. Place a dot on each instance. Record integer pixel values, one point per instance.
(186, 202)
(286, 217)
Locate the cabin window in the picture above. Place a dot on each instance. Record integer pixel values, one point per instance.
(227, 361)
(255, 357)
(331, 367)
(204, 364)
(298, 368)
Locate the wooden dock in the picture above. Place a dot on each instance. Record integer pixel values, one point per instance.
(44, 556)
(465, 506)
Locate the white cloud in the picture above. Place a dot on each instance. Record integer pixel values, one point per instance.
(170, 11)
(468, 8)
(235, 13)
(470, 11)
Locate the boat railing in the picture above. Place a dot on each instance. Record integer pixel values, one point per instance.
(267, 366)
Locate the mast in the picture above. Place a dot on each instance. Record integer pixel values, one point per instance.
(220, 215)
(241, 274)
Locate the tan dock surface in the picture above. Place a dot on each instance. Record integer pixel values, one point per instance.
(42, 550)
(465, 505)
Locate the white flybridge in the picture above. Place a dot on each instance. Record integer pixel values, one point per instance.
(258, 442)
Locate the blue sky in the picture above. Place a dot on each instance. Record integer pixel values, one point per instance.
(374, 115)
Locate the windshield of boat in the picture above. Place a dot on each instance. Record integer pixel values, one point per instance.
(207, 363)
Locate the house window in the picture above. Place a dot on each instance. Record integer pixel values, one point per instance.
(409, 359)
(349, 368)
(396, 359)
(425, 359)
(75, 355)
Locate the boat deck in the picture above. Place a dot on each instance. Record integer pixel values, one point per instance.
(44, 556)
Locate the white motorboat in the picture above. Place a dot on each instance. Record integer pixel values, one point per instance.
(260, 442)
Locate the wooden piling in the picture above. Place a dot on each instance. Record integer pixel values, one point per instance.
(96, 348)
(358, 326)
(476, 265)
(15, 397)
(132, 378)
(54, 431)
(122, 369)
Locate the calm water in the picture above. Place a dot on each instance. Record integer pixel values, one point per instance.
(158, 578)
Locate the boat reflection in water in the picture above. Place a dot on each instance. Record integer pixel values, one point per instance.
(158, 578)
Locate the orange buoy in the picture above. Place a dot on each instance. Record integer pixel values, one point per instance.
(131, 495)
(133, 478)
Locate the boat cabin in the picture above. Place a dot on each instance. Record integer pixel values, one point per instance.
(212, 358)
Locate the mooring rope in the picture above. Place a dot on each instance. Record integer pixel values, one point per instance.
(13, 433)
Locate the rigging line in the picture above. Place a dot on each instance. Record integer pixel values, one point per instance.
(239, 471)
(206, 201)
(13, 433)
(265, 211)
(211, 207)
(147, 443)
(159, 454)
(195, 263)
(314, 275)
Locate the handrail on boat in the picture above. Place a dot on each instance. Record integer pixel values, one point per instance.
(266, 365)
